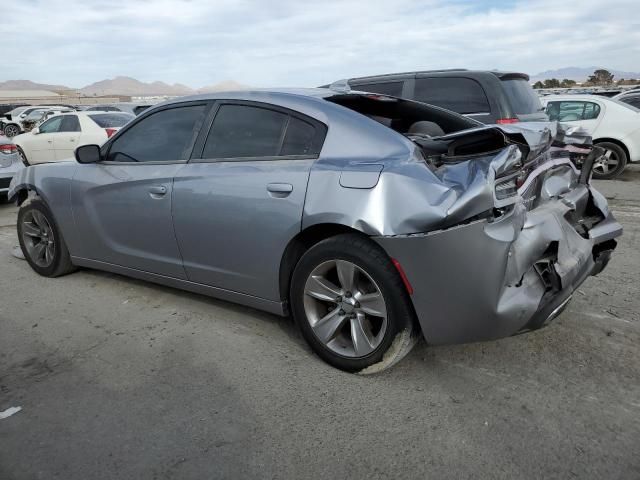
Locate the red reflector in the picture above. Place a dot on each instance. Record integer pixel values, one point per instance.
(8, 148)
(502, 121)
(110, 131)
(403, 276)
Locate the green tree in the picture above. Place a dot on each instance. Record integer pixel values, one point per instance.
(566, 83)
(551, 83)
(601, 77)
(538, 84)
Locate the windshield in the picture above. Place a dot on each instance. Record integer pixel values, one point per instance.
(523, 99)
(111, 120)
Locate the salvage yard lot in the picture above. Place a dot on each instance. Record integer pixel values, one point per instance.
(123, 379)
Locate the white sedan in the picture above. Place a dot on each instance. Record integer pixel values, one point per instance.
(613, 125)
(57, 138)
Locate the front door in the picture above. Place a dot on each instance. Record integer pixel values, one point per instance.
(122, 205)
(41, 148)
(236, 207)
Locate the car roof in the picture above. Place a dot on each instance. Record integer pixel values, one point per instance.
(576, 97)
(452, 71)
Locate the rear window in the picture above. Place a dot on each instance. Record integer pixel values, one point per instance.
(523, 98)
(387, 88)
(462, 95)
(111, 120)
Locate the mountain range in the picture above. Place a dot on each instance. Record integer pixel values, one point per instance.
(123, 86)
(130, 86)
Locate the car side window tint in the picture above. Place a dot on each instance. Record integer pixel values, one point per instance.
(462, 95)
(299, 138)
(244, 131)
(70, 123)
(167, 135)
(387, 88)
(633, 101)
(571, 111)
(51, 126)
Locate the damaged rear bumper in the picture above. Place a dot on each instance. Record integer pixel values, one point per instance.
(493, 278)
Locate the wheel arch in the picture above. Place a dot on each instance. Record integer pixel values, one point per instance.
(22, 192)
(299, 244)
(616, 142)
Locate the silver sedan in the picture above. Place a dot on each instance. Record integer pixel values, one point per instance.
(371, 219)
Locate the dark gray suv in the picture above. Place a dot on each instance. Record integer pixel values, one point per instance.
(487, 96)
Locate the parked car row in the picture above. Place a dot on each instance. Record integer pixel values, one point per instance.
(370, 218)
(23, 118)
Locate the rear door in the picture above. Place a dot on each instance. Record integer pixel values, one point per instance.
(66, 140)
(237, 204)
(122, 205)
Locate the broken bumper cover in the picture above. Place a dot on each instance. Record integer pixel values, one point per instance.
(490, 279)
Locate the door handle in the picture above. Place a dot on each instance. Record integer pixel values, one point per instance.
(157, 190)
(279, 190)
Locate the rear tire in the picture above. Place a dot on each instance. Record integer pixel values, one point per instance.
(351, 305)
(612, 163)
(41, 240)
(23, 157)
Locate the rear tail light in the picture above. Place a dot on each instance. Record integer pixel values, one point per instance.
(507, 188)
(503, 121)
(8, 149)
(110, 131)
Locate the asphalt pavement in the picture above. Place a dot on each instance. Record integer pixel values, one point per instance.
(121, 379)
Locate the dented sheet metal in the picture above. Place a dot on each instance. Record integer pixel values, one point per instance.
(491, 277)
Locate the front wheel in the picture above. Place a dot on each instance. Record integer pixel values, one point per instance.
(11, 130)
(351, 304)
(41, 241)
(612, 163)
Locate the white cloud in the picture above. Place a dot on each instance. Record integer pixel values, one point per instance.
(289, 42)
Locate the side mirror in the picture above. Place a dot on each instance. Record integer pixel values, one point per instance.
(35, 131)
(88, 154)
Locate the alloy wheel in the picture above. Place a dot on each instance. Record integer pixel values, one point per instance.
(11, 131)
(345, 308)
(606, 163)
(38, 239)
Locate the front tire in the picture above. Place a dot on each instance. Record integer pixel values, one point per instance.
(351, 305)
(612, 163)
(11, 130)
(41, 241)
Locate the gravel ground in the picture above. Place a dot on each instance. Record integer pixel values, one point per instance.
(127, 380)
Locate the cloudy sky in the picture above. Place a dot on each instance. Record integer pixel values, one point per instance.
(301, 43)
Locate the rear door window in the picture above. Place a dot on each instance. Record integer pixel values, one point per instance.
(246, 131)
(384, 88)
(524, 100)
(462, 95)
(167, 135)
(70, 123)
(571, 111)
